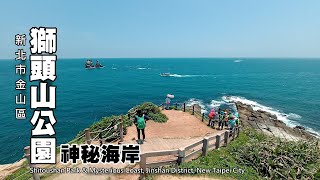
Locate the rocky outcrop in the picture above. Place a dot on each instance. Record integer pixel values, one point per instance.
(270, 124)
(300, 127)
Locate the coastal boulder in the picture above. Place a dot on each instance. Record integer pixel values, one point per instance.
(300, 127)
(269, 123)
(273, 116)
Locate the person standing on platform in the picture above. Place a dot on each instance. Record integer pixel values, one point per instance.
(140, 122)
(168, 100)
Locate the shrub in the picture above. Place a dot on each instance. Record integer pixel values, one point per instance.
(105, 122)
(279, 159)
(150, 109)
(147, 108)
(264, 157)
(161, 118)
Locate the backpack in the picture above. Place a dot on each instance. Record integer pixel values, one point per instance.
(141, 124)
(221, 117)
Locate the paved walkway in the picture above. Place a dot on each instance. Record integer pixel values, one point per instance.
(182, 129)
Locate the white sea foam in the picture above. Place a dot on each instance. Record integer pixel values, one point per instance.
(194, 101)
(141, 68)
(176, 75)
(238, 60)
(288, 119)
(206, 107)
(215, 104)
(187, 75)
(294, 116)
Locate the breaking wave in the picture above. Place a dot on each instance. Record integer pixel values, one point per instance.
(215, 104)
(288, 119)
(187, 75)
(206, 107)
(142, 68)
(194, 101)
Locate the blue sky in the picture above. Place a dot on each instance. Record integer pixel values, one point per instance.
(169, 28)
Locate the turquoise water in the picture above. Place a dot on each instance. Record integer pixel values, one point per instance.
(288, 88)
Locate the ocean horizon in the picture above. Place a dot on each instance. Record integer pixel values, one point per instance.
(286, 87)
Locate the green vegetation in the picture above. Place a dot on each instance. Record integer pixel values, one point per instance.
(148, 108)
(278, 159)
(223, 158)
(152, 110)
(262, 156)
(21, 174)
(105, 122)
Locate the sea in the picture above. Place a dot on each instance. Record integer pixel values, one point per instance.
(288, 88)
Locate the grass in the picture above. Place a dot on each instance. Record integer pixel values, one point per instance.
(263, 157)
(276, 158)
(21, 174)
(223, 158)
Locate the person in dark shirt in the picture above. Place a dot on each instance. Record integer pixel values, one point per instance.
(221, 119)
(140, 122)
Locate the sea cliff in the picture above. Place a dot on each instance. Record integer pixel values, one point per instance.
(270, 124)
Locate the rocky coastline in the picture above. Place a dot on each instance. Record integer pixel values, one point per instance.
(270, 124)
